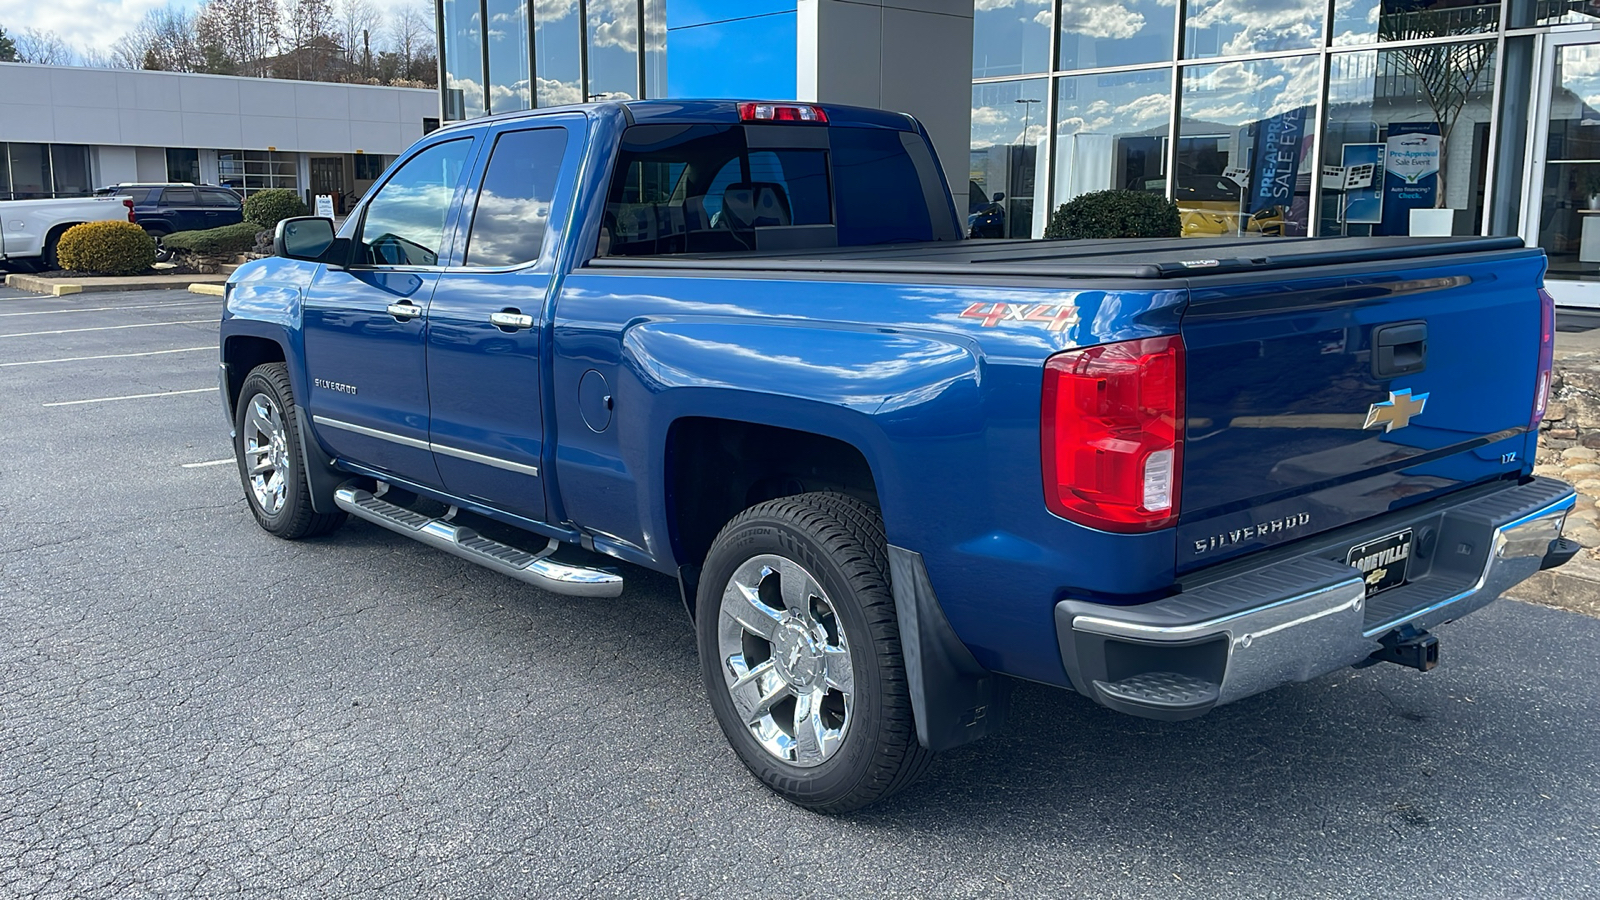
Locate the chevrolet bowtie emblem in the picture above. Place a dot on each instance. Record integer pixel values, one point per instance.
(1397, 411)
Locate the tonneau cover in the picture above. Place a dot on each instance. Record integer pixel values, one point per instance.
(1154, 258)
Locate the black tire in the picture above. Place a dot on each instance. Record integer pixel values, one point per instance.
(48, 256)
(839, 541)
(293, 518)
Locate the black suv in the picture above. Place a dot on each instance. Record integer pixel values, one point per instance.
(165, 208)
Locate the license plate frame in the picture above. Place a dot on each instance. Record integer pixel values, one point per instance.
(1381, 573)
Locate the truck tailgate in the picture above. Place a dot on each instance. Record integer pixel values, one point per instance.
(1319, 397)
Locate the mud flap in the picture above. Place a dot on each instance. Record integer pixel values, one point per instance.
(956, 701)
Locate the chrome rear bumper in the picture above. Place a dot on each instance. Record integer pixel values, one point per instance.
(1299, 618)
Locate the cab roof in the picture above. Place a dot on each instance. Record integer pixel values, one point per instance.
(705, 112)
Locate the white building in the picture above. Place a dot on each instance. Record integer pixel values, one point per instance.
(67, 130)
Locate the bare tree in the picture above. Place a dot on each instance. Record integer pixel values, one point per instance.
(242, 35)
(166, 39)
(410, 37)
(358, 23)
(309, 39)
(45, 48)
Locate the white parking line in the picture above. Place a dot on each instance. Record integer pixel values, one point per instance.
(57, 312)
(214, 462)
(40, 362)
(203, 390)
(109, 327)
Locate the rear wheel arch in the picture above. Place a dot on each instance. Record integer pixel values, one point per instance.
(715, 468)
(47, 252)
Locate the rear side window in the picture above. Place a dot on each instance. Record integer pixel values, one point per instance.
(519, 188)
(876, 169)
(179, 197)
(219, 199)
(701, 188)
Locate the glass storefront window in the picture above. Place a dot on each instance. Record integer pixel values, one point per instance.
(183, 165)
(508, 56)
(613, 49)
(1111, 133)
(1011, 37)
(463, 60)
(1009, 132)
(1569, 215)
(557, 38)
(1420, 117)
(1357, 22)
(30, 171)
(1098, 34)
(69, 170)
(1244, 147)
(1237, 27)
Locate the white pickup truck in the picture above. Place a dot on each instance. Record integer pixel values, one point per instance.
(29, 229)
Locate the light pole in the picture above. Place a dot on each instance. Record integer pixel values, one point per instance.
(1027, 108)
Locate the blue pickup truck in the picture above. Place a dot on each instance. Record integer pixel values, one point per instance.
(893, 470)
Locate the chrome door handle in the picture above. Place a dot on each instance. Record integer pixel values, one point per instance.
(511, 320)
(404, 310)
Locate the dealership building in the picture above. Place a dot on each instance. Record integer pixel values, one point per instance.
(67, 130)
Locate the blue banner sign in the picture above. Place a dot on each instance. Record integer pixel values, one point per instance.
(1279, 143)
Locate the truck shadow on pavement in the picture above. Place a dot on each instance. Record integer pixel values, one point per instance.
(1359, 759)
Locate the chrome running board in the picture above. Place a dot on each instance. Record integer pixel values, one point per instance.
(537, 569)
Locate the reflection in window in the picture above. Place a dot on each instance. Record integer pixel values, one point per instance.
(1235, 27)
(463, 60)
(613, 49)
(557, 37)
(655, 48)
(1007, 159)
(513, 209)
(404, 223)
(1370, 21)
(1569, 210)
(508, 56)
(1420, 117)
(1096, 33)
(1111, 132)
(1244, 147)
(1010, 37)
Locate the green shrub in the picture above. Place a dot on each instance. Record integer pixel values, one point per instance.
(1115, 214)
(268, 208)
(106, 248)
(240, 238)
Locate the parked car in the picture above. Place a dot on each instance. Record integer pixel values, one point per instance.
(986, 218)
(30, 229)
(745, 344)
(165, 208)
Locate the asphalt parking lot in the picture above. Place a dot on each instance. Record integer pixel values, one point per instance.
(190, 707)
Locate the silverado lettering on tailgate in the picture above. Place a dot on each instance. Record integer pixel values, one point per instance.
(1249, 532)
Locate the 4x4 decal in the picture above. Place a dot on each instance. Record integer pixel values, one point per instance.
(1058, 316)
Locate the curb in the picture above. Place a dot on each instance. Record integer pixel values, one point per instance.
(209, 290)
(1574, 587)
(62, 287)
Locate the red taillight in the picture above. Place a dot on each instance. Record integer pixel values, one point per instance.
(128, 202)
(781, 112)
(1112, 434)
(1547, 353)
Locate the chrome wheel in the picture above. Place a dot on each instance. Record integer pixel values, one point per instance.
(266, 453)
(785, 660)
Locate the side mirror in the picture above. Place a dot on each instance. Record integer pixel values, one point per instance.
(997, 198)
(304, 237)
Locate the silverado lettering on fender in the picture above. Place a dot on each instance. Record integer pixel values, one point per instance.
(891, 469)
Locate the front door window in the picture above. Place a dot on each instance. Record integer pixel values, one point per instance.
(404, 223)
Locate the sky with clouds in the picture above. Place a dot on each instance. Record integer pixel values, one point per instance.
(86, 24)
